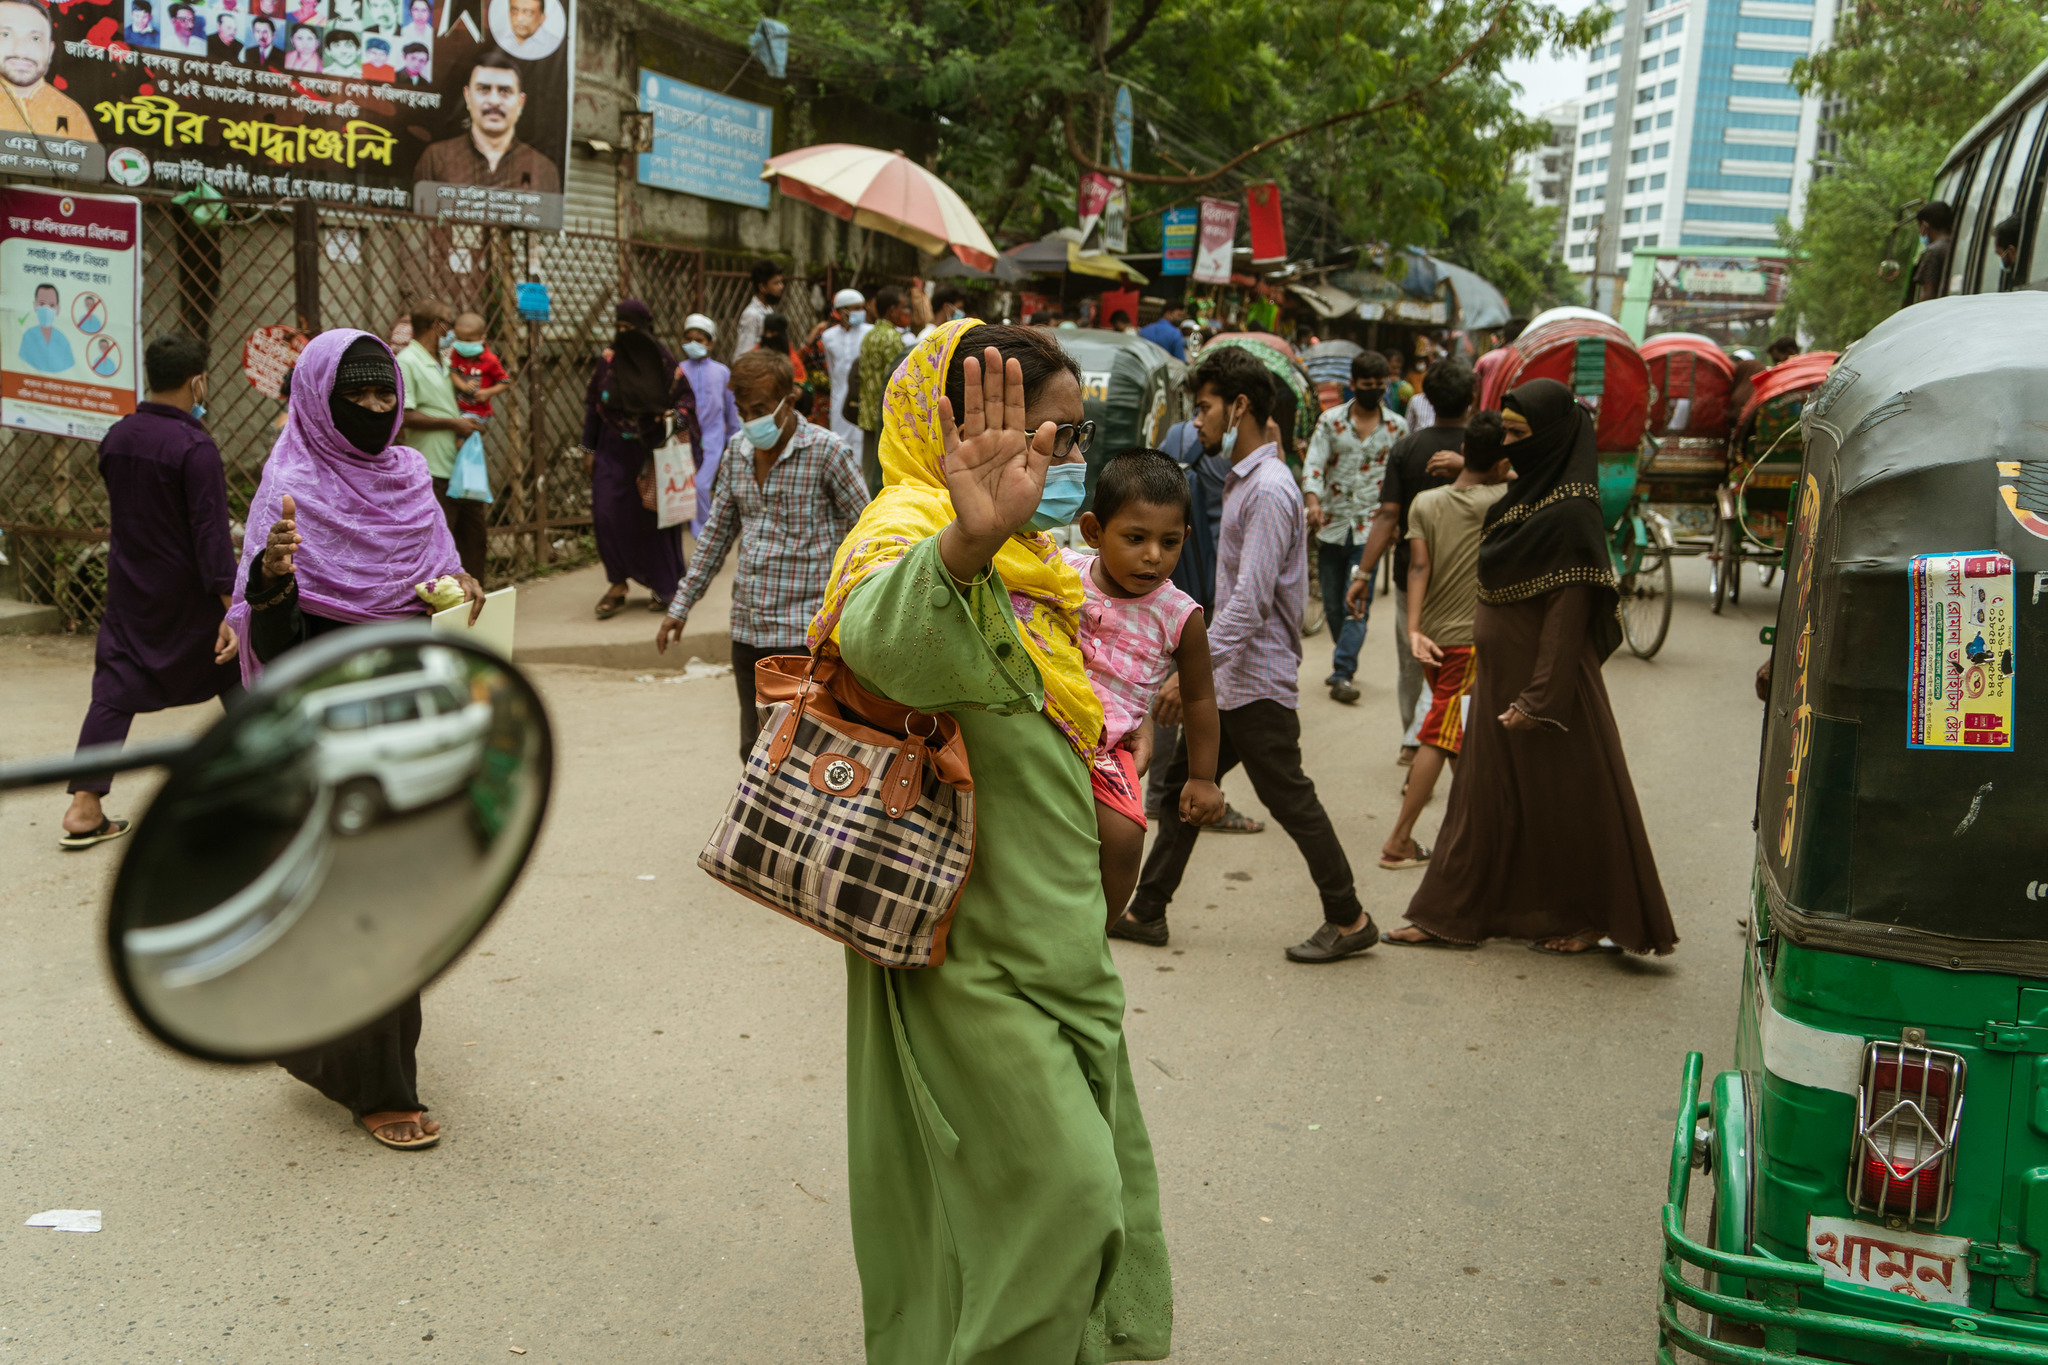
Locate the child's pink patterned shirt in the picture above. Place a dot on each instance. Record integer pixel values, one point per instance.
(1128, 644)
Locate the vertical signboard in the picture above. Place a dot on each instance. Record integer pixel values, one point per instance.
(70, 283)
(1218, 235)
(705, 143)
(1177, 240)
(1269, 232)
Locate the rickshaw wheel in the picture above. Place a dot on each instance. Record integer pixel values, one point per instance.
(1728, 559)
(1766, 572)
(1646, 604)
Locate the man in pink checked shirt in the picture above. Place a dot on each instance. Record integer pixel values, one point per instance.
(1255, 643)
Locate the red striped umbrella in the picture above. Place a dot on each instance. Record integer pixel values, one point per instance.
(886, 191)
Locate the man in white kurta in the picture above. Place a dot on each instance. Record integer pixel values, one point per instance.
(842, 348)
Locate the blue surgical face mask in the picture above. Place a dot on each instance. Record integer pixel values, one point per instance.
(469, 348)
(694, 350)
(1923, 241)
(763, 432)
(46, 316)
(1066, 488)
(856, 318)
(1229, 443)
(199, 409)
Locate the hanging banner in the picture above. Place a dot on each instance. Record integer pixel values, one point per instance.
(1089, 207)
(1269, 234)
(1120, 130)
(269, 355)
(705, 143)
(1960, 680)
(1218, 235)
(1116, 218)
(456, 108)
(70, 282)
(1177, 240)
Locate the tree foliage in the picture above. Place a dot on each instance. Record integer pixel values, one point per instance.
(1835, 293)
(1512, 244)
(1913, 76)
(1380, 119)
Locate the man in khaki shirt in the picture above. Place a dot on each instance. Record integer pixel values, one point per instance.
(33, 105)
(1444, 528)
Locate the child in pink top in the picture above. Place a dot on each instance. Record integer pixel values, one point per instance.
(1136, 628)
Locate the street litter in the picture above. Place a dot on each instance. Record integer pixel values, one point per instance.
(67, 1220)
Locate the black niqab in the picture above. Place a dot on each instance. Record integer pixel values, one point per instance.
(640, 382)
(1547, 532)
(364, 363)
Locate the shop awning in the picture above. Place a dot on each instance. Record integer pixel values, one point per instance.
(1326, 300)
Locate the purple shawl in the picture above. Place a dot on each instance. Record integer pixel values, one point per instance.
(370, 524)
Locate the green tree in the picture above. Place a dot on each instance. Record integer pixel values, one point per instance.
(1835, 292)
(1913, 76)
(1512, 244)
(1379, 119)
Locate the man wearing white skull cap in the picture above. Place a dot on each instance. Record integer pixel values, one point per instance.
(716, 411)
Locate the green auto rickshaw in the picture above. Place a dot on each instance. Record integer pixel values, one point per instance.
(1877, 1161)
(1128, 389)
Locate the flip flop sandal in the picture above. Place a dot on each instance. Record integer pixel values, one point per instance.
(1594, 946)
(109, 829)
(1400, 864)
(609, 606)
(372, 1122)
(1428, 940)
(1236, 822)
(657, 604)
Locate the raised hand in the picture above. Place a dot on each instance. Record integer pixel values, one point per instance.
(283, 542)
(994, 465)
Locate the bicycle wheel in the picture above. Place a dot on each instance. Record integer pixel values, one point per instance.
(1646, 604)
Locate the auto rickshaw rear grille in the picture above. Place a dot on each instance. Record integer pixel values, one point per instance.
(1909, 1108)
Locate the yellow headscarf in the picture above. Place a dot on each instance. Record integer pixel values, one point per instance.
(914, 506)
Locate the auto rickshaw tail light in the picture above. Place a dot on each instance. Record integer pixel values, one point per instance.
(1909, 1108)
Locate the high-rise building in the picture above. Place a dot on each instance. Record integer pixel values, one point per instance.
(1546, 171)
(1690, 132)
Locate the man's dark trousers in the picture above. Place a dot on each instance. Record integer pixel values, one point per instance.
(1266, 738)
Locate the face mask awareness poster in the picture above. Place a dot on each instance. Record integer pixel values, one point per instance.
(70, 285)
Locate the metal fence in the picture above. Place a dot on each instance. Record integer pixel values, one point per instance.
(314, 266)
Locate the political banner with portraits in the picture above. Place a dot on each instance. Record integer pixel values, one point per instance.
(455, 108)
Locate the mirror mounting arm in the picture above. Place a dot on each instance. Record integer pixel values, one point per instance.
(94, 762)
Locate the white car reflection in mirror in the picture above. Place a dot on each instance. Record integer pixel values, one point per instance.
(400, 741)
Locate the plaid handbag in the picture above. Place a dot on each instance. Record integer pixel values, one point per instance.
(855, 815)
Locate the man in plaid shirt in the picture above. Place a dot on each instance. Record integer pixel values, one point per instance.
(789, 492)
(1255, 645)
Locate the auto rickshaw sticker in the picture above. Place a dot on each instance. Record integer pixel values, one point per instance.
(1960, 690)
(1802, 725)
(2025, 493)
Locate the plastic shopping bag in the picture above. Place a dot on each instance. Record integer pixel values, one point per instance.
(470, 479)
(675, 484)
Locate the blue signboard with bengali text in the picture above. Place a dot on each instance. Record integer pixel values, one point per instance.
(705, 143)
(1177, 240)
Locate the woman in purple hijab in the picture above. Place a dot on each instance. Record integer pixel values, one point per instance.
(353, 528)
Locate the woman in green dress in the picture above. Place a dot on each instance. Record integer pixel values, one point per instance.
(1004, 1200)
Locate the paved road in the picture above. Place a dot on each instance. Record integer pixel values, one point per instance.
(1416, 1157)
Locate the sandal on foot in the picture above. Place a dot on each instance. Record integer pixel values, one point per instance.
(374, 1124)
(109, 829)
(1420, 857)
(1235, 821)
(1588, 943)
(657, 603)
(1428, 940)
(610, 605)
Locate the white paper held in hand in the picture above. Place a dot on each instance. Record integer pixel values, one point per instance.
(493, 628)
(67, 1220)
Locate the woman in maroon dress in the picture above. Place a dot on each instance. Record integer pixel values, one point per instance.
(1542, 838)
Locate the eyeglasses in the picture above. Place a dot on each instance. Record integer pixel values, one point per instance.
(1069, 436)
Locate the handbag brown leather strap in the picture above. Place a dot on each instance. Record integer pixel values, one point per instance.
(827, 686)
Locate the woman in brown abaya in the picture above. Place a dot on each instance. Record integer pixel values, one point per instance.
(1542, 839)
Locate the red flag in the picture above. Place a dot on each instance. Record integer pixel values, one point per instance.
(1269, 234)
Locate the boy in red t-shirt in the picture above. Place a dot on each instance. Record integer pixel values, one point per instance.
(478, 375)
